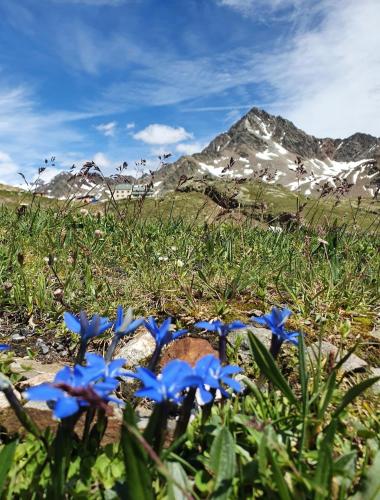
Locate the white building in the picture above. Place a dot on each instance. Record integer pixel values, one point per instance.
(124, 191)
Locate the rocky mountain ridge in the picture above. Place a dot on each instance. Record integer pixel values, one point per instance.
(272, 148)
(258, 146)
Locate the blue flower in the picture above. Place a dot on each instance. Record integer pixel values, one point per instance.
(176, 376)
(125, 324)
(86, 328)
(275, 321)
(97, 367)
(4, 347)
(80, 387)
(215, 376)
(223, 329)
(162, 334)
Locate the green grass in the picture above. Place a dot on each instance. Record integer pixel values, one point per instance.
(294, 438)
(171, 261)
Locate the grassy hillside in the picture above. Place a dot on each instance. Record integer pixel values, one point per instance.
(166, 258)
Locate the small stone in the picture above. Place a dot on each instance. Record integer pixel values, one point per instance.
(375, 334)
(41, 378)
(44, 349)
(138, 349)
(257, 313)
(263, 334)
(4, 404)
(376, 386)
(17, 337)
(187, 349)
(352, 364)
(29, 368)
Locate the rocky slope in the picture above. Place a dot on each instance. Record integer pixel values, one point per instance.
(66, 185)
(258, 146)
(267, 147)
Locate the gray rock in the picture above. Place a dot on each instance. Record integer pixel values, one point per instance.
(137, 349)
(375, 334)
(17, 337)
(375, 372)
(352, 364)
(241, 337)
(44, 348)
(4, 402)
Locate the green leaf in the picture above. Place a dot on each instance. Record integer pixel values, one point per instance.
(353, 393)
(371, 489)
(177, 472)
(278, 475)
(222, 463)
(6, 459)
(269, 367)
(139, 482)
(323, 473)
(327, 394)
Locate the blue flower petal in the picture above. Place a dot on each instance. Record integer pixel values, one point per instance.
(65, 407)
(236, 325)
(259, 320)
(63, 376)
(134, 325)
(150, 393)
(205, 325)
(43, 392)
(176, 335)
(234, 384)
(72, 322)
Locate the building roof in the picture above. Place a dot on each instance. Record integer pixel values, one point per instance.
(122, 187)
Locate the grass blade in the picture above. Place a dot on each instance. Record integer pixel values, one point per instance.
(6, 460)
(269, 367)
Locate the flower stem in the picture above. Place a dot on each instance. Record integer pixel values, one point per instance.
(184, 418)
(154, 358)
(222, 348)
(21, 414)
(111, 348)
(82, 351)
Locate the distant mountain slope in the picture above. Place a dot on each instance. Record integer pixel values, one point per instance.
(262, 146)
(66, 185)
(267, 146)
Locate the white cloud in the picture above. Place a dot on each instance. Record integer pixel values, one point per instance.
(327, 79)
(108, 129)
(108, 3)
(47, 175)
(8, 169)
(129, 126)
(162, 134)
(29, 133)
(247, 7)
(190, 148)
(102, 161)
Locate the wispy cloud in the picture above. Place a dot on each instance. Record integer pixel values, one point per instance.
(327, 79)
(108, 129)
(162, 134)
(8, 168)
(261, 8)
(107, 3)
(29, 133)
(190, 148)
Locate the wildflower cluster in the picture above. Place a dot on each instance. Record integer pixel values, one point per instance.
(275, 321)
(178, 376)
(80, 387)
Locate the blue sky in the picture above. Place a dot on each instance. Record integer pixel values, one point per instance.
(115, 80)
